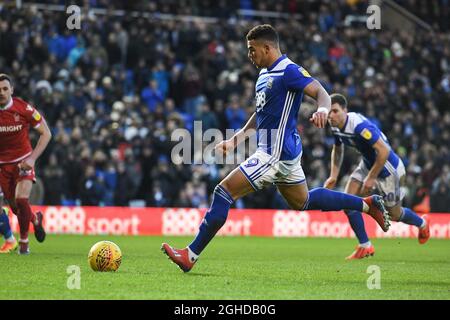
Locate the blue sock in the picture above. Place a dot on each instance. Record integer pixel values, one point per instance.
(5, 228)
(329, 200)
(410, 217)
(214, 219)
(357, 223)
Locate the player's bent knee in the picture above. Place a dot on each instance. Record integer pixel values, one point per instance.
(226, 186)
(298, 204)
(232, 190)
(295, 201)
(394, 216)
(395, 213)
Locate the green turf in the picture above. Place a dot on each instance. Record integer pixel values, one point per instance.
(231, 268)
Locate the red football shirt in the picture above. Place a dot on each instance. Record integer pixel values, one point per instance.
(15, 121)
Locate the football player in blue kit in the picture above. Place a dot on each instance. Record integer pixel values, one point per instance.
(277, 160)
(10, 243)
(380, 168)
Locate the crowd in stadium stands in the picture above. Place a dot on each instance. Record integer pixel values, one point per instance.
(114, 92)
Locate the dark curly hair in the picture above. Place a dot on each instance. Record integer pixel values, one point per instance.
(339, 99)
(263, 32)
(4, 76)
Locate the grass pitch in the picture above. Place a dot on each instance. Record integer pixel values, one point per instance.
(231, 268)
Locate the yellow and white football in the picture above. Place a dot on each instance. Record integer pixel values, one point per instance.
(105, 256)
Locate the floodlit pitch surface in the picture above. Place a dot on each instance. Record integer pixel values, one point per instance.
(231, 268)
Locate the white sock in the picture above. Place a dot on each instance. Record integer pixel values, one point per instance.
(23, 240)
(10, 239)
(365, 207)
(192, 256)
(365, 244)
(424, 223)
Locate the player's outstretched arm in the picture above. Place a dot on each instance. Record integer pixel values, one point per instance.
(382, 151)
(44, 139)
(317, 92)
(337, 155)
(228, 145)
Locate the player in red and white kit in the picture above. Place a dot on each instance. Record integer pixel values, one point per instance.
(17, 158)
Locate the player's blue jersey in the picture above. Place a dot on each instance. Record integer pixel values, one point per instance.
(361, 134)
(279, 92)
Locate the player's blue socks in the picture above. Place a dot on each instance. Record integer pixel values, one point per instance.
(214, 219)
(410, 217)
(329, 200)
(357, 223)
(5, 228)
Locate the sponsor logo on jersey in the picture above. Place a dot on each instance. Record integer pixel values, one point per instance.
(11, 128)
(260, 100)
(29, 108)
(366, 134)
(251, 163)
(36, 115)
(304, 72)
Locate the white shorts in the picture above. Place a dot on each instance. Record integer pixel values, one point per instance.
(390, 187)
(260, 173)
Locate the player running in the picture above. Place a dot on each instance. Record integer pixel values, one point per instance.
(279, 91)
(17, 159)
(10, 243)
(379, 168)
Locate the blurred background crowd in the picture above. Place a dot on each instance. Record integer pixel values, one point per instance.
(114, 91)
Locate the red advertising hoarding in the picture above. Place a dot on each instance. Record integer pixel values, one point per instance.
(245, 222)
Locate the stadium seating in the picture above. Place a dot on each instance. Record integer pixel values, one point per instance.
(114, 92)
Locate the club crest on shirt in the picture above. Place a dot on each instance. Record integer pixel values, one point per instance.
(16, 117)
(251, 163)
(269, 83)
(366, 134)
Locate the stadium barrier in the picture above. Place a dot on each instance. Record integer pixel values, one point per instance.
(245, 222)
